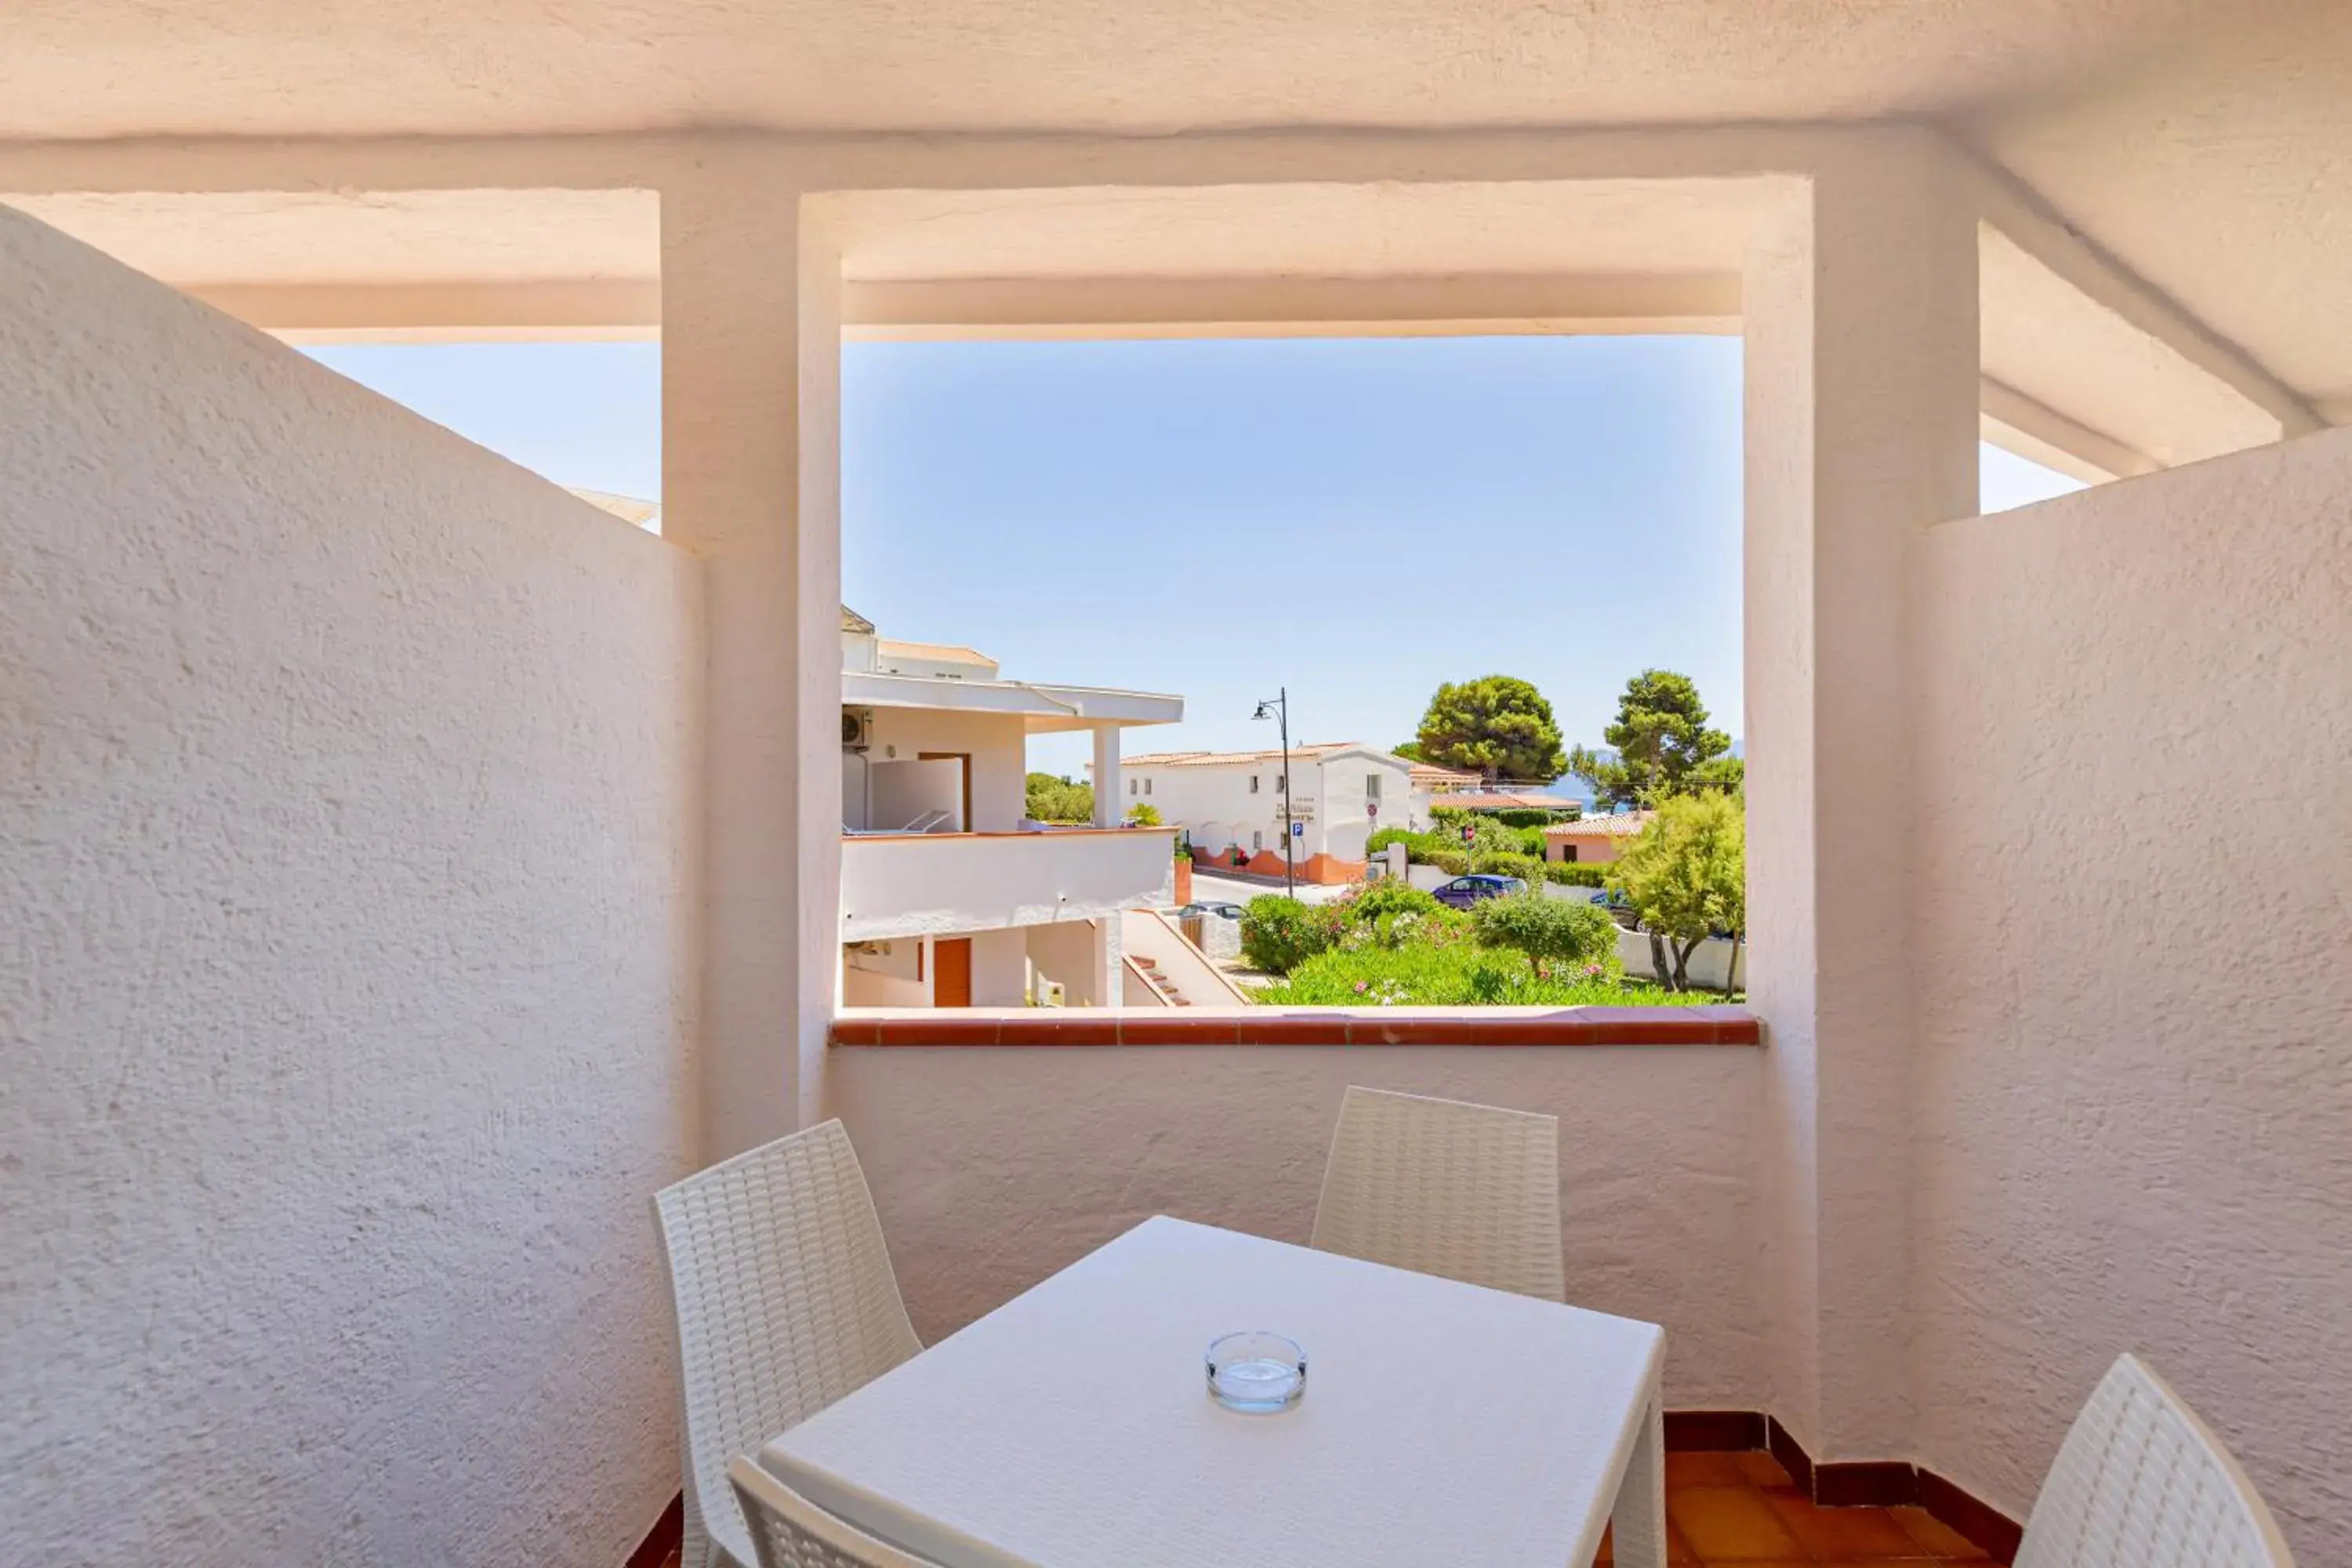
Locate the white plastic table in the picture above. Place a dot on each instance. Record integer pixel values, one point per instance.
(1072, 1427)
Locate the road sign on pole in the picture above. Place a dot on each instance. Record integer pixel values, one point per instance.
(1469, 833)
(1299, 830)
(1371, 809)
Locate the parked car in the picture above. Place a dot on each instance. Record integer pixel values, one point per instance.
(1217, 907)
(1479, 886)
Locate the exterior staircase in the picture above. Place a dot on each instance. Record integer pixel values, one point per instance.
(1159, 983)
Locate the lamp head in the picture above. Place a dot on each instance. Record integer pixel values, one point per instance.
(1263, 712)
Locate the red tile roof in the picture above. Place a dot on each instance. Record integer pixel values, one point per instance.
(1617, 825)
(1502, 800)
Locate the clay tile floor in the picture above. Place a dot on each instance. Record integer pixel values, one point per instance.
(1739, 1510)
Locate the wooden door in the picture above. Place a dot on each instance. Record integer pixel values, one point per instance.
(952, 972)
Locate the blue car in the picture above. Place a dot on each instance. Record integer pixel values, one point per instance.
(1479, 886)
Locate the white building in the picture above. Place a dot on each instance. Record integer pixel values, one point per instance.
(1232, 802)
(949, 896)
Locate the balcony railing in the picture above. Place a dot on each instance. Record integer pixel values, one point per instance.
(911, 884)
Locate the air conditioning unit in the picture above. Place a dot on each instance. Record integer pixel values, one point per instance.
(856, 729)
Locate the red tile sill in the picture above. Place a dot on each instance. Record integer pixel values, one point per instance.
(1073, 1027)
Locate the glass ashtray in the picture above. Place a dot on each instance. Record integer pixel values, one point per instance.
(1257, 1372)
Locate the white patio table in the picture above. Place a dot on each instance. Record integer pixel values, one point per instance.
(1442, 1424)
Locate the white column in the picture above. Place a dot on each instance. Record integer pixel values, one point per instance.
(1108, 977)
(1110, 807)
(1861, 420)
(751, 484)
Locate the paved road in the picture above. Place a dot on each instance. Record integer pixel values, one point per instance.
(1209, 888)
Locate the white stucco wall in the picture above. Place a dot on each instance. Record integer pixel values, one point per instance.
(1215, 803)
(996, 742)
(2133, 1103)
(993, 1167)
(346, 982)
(931, 884)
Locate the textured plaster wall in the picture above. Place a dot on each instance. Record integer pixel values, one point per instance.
(346, 962)
(993, 1167)
(2133, 1100)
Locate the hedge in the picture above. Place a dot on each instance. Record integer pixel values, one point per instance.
(1455, 863)
(1556, 930)
(1571, 874)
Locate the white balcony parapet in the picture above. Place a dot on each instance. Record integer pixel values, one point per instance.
(919, 884)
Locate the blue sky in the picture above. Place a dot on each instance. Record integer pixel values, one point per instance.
(1355, 518)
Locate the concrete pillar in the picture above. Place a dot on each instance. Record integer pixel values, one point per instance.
(1000, 967)
(751, 484)
(1106, 976)
(1110, 807)
(1860, 427)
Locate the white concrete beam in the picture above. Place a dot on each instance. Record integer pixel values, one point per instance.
(553, 309)
(2037, 228)
(2038, 432)
(959, 162)
(1284, 307)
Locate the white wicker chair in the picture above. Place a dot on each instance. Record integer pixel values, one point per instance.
(785, 1303)
(1470, 1192)
(790, 1531)
(2142, 1483)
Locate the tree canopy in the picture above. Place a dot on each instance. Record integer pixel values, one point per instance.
(1686, 874)
(1662, 746)
(1052, 799)
(1498, 726)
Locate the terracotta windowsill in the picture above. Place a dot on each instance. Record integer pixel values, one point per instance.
(1713, 1026)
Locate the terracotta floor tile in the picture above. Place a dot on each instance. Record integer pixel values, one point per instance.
(1844, 1535)
(1937, 1537)
(1762, 1470)
(1730, 1524)
(1678, 1550)
(1707, 1469)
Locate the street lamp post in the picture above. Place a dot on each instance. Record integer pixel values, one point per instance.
(1279, 708)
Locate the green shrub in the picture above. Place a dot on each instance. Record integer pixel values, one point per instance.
(1279, 933)
(1549, 929)
(1390, 898)
(1426, 975)
(1420, 849)
(1574, 874)
(1526, 867)
(1501, 863)
(1530, 817)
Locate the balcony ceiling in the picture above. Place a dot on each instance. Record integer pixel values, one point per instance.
(270, 68)
(2207, 146)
